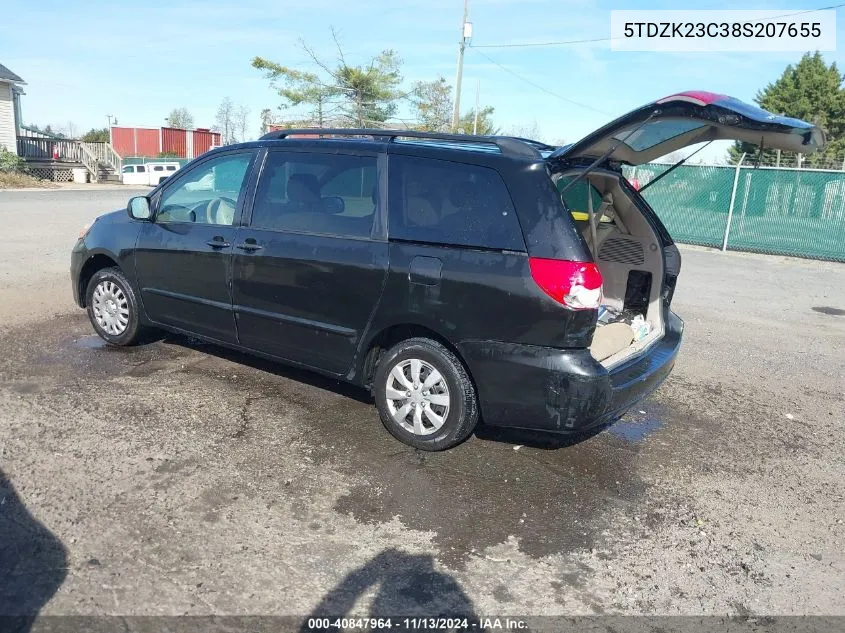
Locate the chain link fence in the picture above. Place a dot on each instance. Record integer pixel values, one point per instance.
(785, 211)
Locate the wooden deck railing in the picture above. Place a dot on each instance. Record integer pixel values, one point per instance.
(92, 155)
(105, 154)
(90, 161)
(50, 149)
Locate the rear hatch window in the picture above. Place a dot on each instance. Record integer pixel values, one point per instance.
(689, 118)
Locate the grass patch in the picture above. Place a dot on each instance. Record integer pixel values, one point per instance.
(22, 181)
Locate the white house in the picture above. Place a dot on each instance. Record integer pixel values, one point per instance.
(10, 108)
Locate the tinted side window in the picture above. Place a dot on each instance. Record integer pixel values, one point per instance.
(333, 194)
(141, 169)
(208, 193)
(451, 203)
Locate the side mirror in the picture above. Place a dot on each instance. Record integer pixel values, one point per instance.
(139, 208)
(334, 205)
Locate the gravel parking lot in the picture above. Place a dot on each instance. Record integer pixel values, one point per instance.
(180, 478)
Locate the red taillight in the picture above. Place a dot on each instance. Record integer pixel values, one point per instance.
(576, 285)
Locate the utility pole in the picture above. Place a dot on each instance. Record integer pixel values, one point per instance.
(475, 123)
(466, 34)
(110, 117)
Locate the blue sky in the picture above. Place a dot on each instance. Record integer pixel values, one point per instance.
(83, 60)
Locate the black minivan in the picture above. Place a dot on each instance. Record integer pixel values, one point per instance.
(457, 277)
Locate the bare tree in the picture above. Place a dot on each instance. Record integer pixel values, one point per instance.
(241, 123)
(673, 157)
(70, 129)
(181, 118)
(526, 130)
(224, 121)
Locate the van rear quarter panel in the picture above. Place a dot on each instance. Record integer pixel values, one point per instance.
(480, 296)
(547, 226)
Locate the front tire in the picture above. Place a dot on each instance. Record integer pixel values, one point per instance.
(424, 395)
(112, 307)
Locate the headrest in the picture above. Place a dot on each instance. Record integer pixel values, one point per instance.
(303, 188)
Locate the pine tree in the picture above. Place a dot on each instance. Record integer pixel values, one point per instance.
(812, 91)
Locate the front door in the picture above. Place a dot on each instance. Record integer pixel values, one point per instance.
(184, 256)
(309, 269)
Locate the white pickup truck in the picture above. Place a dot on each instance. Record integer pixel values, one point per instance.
(148, 173)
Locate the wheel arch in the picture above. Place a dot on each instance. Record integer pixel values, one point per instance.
(389, 336)
(96, 261)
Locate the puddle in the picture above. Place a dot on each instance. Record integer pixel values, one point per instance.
(548, 501)
(829, 310)
(640, 422)
(486, 493)
(25, 388)
(90, 342)
(74, 350)
(635, 430)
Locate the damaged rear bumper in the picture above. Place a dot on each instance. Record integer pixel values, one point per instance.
(564, 391)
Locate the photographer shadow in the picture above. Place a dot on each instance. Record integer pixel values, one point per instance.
(33, 562)
(408, 585)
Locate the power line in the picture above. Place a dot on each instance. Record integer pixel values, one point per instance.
(610, 39)
(543, 88)
(595, 39)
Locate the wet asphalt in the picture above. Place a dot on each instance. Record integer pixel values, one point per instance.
(178, 477)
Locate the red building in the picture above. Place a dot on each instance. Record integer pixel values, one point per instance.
(147, 142)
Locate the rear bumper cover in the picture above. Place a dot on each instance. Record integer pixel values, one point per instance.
(564, 391)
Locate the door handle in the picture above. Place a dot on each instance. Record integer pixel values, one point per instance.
(249, 246)
(218, 243)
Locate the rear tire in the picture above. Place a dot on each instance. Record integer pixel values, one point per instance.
(424, 395)
(112, 307)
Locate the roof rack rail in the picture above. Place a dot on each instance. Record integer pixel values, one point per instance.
(540, 145)
(509, 146)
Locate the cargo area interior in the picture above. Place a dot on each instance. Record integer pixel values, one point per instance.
(629, 256)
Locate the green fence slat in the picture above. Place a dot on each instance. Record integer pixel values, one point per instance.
(780, 211)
